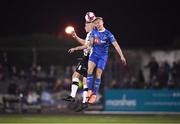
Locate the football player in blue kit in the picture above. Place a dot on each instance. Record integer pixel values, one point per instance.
(101, 39)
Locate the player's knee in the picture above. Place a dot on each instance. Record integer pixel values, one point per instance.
(75, 75)
(90, 70)
(84, 81)
(98, 73)
(91, 67)
(75, 81)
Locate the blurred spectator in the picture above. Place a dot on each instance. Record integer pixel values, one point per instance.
(66, 83)
(40, 73)
(107, 75)
(175, 73)
(39, 87)
(52, 71)
(32, 97)
(4, 59)
(22, 74)
(68, 72)
(46, 98)
(140, 79)
(12, 88)
(2, 75)
(162, 76)
(113, 84)
(13, 72)
(58, 85)
(153, 69)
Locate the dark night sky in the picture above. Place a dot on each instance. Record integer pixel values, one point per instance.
(133, 22)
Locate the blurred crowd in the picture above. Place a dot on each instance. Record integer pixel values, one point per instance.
(37, 81)
(160, 75)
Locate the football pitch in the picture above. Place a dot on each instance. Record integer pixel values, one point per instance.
(91, 119)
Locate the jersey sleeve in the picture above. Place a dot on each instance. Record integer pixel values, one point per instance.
(111, 37)
(88, 36)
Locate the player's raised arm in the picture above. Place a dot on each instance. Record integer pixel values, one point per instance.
(118, 49)
(71, 31)
(80, 40)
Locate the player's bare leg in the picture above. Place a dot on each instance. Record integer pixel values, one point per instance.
(74, 87)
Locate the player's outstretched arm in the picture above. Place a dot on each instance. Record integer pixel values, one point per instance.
(77, 48)
(80, 40)
(118, 49)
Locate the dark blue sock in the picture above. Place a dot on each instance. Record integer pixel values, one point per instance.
(90, 79)
(97, 85)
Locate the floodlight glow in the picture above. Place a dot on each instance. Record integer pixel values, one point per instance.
(69, 29)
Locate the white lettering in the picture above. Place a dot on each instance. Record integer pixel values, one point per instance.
(103, 41)
(122, 102)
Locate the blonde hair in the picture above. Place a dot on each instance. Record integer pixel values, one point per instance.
(98, 18)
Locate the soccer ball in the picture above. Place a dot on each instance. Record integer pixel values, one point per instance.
(90, 16)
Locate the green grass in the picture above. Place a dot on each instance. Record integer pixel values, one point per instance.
(88, 119)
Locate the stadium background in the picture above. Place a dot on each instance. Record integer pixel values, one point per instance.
(36, 69)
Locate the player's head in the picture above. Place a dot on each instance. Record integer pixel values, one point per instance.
(99, 23)
(89, 26)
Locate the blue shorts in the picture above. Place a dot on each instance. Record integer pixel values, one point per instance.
(100, 61)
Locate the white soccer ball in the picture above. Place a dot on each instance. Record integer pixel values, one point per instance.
(90, 16)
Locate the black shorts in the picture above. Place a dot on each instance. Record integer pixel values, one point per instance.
(83, 66)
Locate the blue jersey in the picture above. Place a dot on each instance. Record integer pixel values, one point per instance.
(102, 40)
